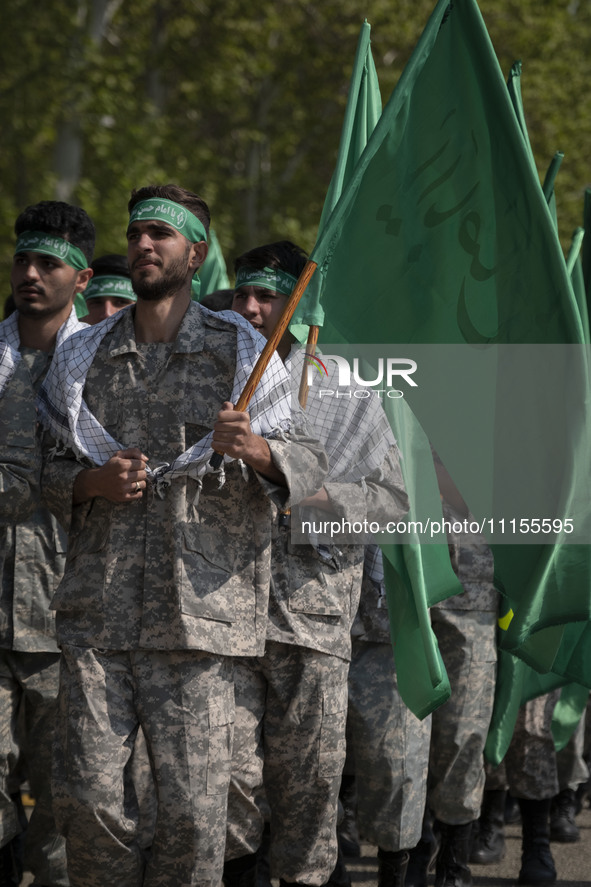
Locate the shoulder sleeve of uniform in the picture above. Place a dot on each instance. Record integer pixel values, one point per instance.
(19, 449)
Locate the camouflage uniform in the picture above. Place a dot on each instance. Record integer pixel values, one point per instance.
(465, 627)
(33, 557)
(390, 745)
(19, 456)
(156, 596)
(291, 704)
(529, 766)
(390, 809)
(19, 479)
(570, 761)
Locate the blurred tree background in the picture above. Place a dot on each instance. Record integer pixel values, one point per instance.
(242, 103)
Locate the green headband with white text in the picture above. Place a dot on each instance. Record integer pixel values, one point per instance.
(267, 278)
(50, 245)
(175, 215)
(110, 286)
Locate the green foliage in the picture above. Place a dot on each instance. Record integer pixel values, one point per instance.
(242, 103)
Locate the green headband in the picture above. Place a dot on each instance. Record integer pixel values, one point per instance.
(49, 245)
(110, 285)
(269, 279)
(173, 214)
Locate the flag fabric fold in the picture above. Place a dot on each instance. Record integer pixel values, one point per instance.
(444, 231)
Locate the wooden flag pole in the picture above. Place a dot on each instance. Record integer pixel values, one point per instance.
(310, 349)
(272, 343)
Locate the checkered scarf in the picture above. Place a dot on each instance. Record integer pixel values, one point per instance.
(373, 565)
(354, 432)
(9, 329)
(63, 411)
(9, 359)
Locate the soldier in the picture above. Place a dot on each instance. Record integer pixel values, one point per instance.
(167, 573)
(291, 702)
(529, 771)
(50, 267)
(110, 289)
(465, 627)
(389, 745)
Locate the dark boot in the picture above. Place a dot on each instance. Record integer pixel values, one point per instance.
(537, 865)
(512, 811)
(392, 865)
(488, 844)
(9, 875)
(421, 857)
(347, 827)
(562, 817)
(451, 865)
(241, 872)
(262, 862)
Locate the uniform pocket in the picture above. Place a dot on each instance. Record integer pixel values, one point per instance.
(318, 586)
(221, 732)
(206, 574)
(331, 757)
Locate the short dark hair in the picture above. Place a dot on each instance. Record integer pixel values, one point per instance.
(283, 254)
(188, 199)
(61, 219)
(218, 300)
(113, 263)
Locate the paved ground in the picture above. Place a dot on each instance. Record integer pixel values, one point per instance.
(573, 862)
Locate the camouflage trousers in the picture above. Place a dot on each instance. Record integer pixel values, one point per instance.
(571, 767)
(184, 702)
(28, 694)
(289, 738)
(390, 748)
(459, 727)
(529, 768)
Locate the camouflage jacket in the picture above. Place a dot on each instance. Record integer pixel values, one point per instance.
(190, 570)
(19, 453)
(473, 564)
(33, 558)
(316, 588)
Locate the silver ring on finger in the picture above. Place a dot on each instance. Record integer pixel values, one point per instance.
(138, 486)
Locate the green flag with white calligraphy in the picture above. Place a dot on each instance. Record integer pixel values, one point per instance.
(444, 235)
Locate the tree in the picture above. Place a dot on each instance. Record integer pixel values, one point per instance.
(242, 104)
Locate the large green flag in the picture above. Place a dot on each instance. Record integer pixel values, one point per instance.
(516, 681)
(415, 576)
(445, 234)
(363, 110)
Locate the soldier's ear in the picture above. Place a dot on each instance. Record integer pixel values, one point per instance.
(198, 255)
(83, 279)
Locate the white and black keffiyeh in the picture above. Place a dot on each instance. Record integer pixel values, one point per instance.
(9, 359)
(373, 564)
(354, 432)
(65, 414)
(9, 329)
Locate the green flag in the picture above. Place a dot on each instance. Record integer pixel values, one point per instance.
(415, 576)
(445, 233)
(213, 274)
(364, 106)
(586, 250)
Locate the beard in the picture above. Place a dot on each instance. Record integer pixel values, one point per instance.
(172, 278)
